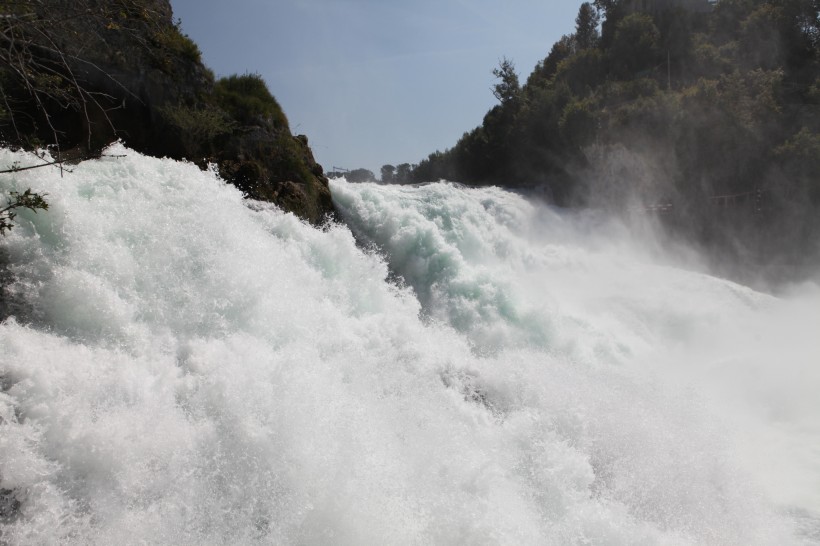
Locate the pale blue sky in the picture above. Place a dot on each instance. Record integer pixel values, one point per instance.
(376, 81)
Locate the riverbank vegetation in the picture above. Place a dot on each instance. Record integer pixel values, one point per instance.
(705, 113)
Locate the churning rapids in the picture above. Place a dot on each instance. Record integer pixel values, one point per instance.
(458, 366)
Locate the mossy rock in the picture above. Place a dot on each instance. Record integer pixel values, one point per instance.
(143, 82)
(247, 100)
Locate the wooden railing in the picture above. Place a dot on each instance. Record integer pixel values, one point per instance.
(751, 199)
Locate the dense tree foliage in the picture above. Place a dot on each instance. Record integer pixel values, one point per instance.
(712, 109)
(508, 88)
(354, 175)
(388, 173)
(586, 26)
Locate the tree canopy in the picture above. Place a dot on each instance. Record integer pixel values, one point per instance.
(666, 104)
(508, 88)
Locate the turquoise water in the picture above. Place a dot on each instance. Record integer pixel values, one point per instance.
(459, 366)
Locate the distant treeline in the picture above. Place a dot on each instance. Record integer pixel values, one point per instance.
(390, 174)
(677, 106)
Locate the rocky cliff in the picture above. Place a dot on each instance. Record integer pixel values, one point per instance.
(78, 75)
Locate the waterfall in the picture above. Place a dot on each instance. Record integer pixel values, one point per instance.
(450, 365)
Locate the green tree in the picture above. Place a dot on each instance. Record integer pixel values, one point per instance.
(586, 26)
(635, 46)
(403, 173)
(800, 159)
(388, 172)
(545, 69)
(613, 11)
(577, 124)
(508, 89)
(606, 6)
(583, 71)
(360, 175)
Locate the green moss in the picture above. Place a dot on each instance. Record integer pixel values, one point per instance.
(247, 99)
(173, 43)
(201, 124)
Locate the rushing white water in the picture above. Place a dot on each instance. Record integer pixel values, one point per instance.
(184, 367)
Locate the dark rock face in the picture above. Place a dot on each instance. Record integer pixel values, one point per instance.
(9, 505)
(125, 71)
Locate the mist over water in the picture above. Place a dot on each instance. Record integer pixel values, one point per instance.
(459, 366)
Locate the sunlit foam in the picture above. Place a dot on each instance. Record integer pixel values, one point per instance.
(459, 367)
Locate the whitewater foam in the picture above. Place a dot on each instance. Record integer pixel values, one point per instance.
(187, 367)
